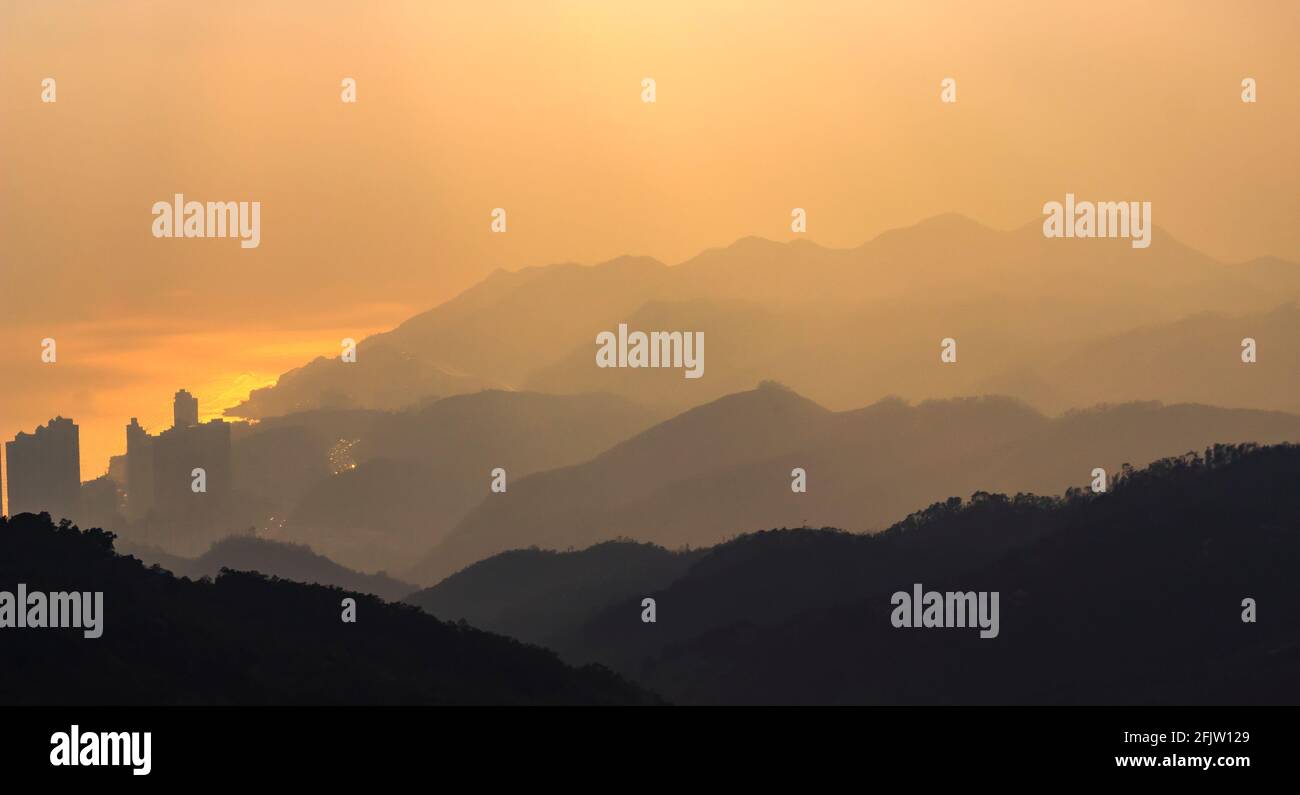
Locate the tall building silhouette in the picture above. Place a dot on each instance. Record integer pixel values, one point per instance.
(139, 471)
(177, 453)
(161, 475)
(185, 410)
(45, 470)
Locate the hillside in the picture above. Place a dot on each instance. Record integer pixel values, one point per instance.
(246, 639)
(724, 468)
(844, 326)
(539, 596)
(294, 562)
(1195, 359)
(1132, 596)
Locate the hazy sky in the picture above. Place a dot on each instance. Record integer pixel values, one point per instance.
(373, 211)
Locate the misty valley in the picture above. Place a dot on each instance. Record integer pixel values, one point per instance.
(782, 528)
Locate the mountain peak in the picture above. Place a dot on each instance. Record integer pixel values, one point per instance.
(631, 262)
(945, 223)
(754, 242)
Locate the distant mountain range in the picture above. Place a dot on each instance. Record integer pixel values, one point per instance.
(850, 326)
(725, 468)
(1196, 359)
(247, 639)
(295, 562)
(1131, 596)
(385, 465)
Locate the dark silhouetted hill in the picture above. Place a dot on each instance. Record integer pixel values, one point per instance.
(539, 596)
(1132, 596)
(725, 468)
(247, 639)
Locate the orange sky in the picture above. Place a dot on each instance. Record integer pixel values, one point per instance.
(377, 210)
